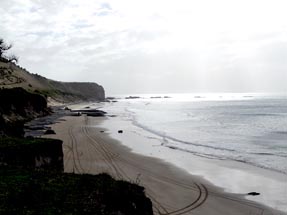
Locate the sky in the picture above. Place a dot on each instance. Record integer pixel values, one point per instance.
(152, 46)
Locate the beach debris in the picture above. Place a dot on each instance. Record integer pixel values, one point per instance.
(50, 131)
(120, 131)
(253, 194)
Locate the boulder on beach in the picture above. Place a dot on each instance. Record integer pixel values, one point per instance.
(50, 131)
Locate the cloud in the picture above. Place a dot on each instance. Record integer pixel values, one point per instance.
(202, 45)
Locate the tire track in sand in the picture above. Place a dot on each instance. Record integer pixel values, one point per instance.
(74, 150)
(203, 193)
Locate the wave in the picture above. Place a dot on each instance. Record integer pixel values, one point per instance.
(163, 135)
(221, 154)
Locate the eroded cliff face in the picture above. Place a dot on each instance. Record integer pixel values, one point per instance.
(18, 106)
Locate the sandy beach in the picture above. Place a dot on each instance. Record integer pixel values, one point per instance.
(89, 149)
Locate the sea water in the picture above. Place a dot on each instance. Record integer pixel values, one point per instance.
(250, 128)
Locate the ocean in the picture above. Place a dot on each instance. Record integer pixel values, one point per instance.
(249, 128)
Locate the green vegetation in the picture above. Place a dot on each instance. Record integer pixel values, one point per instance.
(32, 153)
(39, 192)
(4, 47)
(11, 142)
(53, 93)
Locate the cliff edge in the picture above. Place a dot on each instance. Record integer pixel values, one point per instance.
(12, 75)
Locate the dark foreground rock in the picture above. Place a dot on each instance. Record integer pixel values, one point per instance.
(38, 192)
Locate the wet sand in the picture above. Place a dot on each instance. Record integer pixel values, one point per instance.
(173, 191)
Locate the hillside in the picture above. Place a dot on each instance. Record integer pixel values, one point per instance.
(12, 76)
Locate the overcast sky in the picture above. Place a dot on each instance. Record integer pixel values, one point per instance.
(152, 46)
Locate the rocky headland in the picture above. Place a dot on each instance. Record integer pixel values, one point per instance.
(12, 75)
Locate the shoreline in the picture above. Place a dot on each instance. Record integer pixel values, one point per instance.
(173, 191)
(232, 176)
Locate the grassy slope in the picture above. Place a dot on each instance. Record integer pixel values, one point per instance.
(25, 152)
(14, 76)
(38, 192)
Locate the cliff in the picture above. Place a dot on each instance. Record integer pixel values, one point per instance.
(70, 91)
(12, 75)
(18, 106)
(31, 169)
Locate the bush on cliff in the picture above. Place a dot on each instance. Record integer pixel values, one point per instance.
(38, 192)
(40, 153)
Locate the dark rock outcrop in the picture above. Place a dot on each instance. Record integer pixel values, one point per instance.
(21, 102)
(18, 106)
(50, 131)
